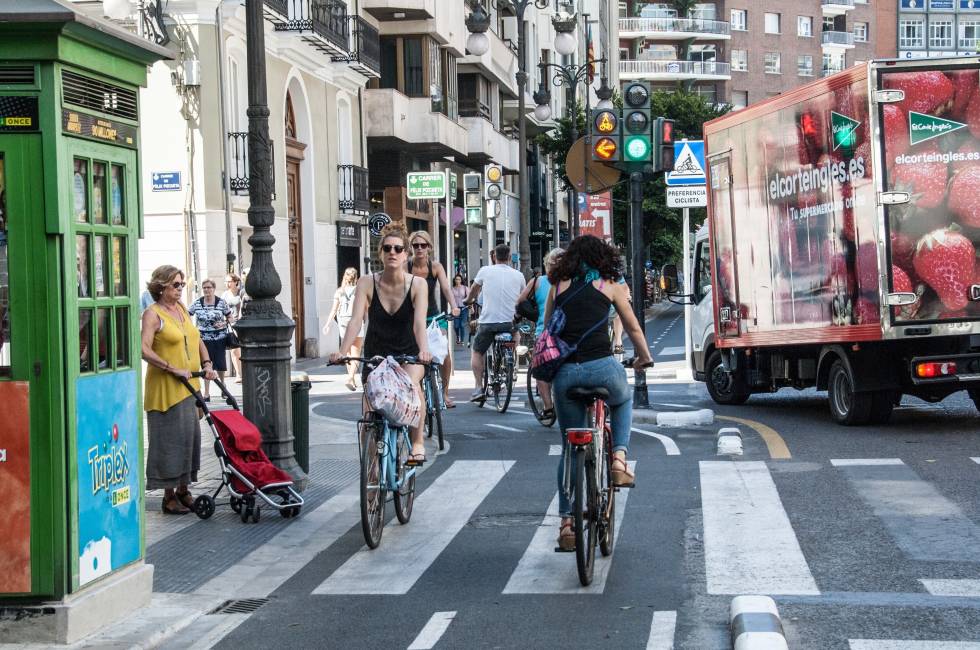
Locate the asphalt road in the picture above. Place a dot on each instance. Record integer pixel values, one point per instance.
(863, 536)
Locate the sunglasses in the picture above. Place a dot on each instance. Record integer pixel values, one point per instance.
(179, 285)
(420, 245)
(389, 247)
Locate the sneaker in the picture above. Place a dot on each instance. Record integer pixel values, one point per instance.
(477, 395)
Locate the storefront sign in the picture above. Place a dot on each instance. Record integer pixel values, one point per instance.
(15, 488)
(595, 215)
(100, 129)
(109, 467)
(18, 114)
(348, 234)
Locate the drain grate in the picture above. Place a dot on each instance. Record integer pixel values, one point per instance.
(239, 606)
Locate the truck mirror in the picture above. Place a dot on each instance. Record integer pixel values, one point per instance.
(668, 278)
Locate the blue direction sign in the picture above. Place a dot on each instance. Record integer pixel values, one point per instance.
(165, 181)
(688, 164)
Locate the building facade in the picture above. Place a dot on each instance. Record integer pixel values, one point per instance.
(930, 28)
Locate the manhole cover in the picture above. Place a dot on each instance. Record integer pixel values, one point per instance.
(512, 520)
(240, 606)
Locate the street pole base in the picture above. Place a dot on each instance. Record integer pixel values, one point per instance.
(641, 398)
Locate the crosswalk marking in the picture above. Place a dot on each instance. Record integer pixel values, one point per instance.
(975, 459)
(406, 552)
(505, 428)
(942, 587)
(669, 445)
(750, 546)
(896, 644)
(543, 571)
(865, 462)
(433, 631)
(662, 631)
(924, 524)
(554, 450)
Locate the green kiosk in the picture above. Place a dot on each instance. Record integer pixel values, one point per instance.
(71, 440)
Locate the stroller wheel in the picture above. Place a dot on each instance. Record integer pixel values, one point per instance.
(204, 506)
(236, 505)
(248, 507)
(255, 514)
(287, 511)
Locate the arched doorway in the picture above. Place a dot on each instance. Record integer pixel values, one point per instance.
(295, 152)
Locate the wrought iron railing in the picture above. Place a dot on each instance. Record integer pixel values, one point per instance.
(238, 172)
(364, 54)
(325, 21)
(353, 184)
(278, 7)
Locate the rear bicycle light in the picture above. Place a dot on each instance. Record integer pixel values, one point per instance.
(579, 436)
(932, 369)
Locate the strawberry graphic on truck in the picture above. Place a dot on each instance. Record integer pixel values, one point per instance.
(842, 245)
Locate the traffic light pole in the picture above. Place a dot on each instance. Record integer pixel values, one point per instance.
(641, 398)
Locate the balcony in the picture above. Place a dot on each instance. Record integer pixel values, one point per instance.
(836, 7)
(487, 144)
(365, 53)
(498, 63)
(238, 171)
(674, 29)
(353, 189)
(657, 70)
(400, 9)
(837, 40)
(408, 123)
(321, 23)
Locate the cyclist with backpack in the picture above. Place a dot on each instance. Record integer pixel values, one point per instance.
(584, 287)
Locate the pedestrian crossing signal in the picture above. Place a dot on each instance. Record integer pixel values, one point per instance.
(663, 145)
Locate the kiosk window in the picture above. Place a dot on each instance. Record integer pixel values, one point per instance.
(105, 338)
(85, 340)
(98, 192)
(81, 260)
(4, 280)
(79, 191)
(119, 266)
(122, 337)
(101, 266)
(116, 184)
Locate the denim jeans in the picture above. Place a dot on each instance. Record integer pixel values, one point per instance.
(609, 374)
(461, 325)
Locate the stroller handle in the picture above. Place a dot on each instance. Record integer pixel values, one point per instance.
(229, 398)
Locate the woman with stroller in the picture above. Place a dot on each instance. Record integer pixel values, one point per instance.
(395, 303)
(584, 286)
(172, 348)
(211, 315)
(342, 309)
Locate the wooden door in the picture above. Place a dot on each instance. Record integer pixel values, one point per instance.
(295, 215)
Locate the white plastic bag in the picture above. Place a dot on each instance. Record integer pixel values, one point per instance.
(438, 342)
(390, 390)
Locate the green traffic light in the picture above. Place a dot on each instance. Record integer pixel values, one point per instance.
(636, 148)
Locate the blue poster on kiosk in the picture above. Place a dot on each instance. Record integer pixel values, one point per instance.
(109, 496)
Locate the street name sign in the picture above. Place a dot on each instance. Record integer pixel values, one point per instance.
(688, 164)
(426, 185)
(165, 182)
(695, 196)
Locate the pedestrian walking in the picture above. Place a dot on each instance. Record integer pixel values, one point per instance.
(211, 315)
(172, 348)
(232, 296)
(343, 310)
(461, 322)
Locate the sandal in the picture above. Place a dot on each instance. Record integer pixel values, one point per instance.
(415, 460)
(185, 497)
(177, 508)
(547, 417)
(566, 536)
(450, 404)
(621, 474)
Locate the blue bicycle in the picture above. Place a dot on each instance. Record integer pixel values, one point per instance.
(385, 468)
(432, 390)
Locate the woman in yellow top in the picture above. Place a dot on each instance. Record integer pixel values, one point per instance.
(172, 348)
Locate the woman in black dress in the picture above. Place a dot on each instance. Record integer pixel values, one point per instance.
(395, 303)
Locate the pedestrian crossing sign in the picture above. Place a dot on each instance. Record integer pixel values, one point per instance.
(688, 163)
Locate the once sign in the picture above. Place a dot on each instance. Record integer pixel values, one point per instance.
(426, 185)
(694, 196)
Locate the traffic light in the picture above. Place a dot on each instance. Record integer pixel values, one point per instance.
(605, 135)
(663, 145)
(637, 145)
(493, 179)
(473, 199)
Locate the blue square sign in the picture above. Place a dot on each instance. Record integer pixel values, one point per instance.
(688, 164)
(165, 181)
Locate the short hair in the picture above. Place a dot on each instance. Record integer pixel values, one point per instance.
(160, 278)
(501, 253)
(234, 278)
(208, 281)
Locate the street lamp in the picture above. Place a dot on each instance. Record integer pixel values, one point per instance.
(604, 93)
(517, 7)
(477, 24)
(264, 330)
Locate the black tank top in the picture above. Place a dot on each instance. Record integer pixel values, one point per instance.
(584, 307)
(390, 333)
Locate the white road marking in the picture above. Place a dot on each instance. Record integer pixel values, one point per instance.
(975, 459)
(543, 571)
(433, 631)
(406, 552)
(942, 587)
(750, 546)
(896, 644)
(500, 426)
(554, 450)
(680, 406)
(671, 351)
(864, 462)
(662, 631)
(669, 445)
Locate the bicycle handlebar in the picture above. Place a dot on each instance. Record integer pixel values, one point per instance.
(629, 363)
(399, 358)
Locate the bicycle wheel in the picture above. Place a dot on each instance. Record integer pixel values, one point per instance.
(436, 407)
(373, 493)
(426, 393)
(607, 502)
(487, 360)
(405, 494)
(504, 382)
(532, 397)
(584, 506)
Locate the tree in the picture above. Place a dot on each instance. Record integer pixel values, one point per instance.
(556, 143)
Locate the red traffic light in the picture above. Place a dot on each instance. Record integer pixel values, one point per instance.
(668, 132)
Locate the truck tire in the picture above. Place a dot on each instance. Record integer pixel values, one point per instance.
(882, 403)
(847, 407)
(726, 388)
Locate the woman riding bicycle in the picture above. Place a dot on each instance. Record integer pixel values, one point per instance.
(422, 266)
(395, 304)
(584, 286)
(540, 288)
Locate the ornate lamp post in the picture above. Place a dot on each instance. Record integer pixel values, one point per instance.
(479, 40)
(265, 330)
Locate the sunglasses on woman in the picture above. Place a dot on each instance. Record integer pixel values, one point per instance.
(179, 285)
(389, 247)
(420, 245)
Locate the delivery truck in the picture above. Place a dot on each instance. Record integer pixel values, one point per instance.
(840, 248)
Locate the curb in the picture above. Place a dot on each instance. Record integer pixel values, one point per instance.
(755, 624)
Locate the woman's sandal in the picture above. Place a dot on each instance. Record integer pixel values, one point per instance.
(566, 537)
(450, 404)
(176, 509)
(415, 460)
(621, 477)
(547, 417)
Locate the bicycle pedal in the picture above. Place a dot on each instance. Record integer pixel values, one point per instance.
(559, 549)
(625, 485)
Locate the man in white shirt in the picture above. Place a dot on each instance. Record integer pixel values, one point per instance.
(500, 285)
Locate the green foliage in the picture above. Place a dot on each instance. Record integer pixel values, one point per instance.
(556, 143)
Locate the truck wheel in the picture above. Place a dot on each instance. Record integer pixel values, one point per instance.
(882, 403)
(847, 406)
(724, 387)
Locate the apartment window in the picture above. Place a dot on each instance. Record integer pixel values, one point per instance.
(970, 35)
(414, 67)
(832, 63)
(804, 65)
(940, 34)
(911, 33)
(739, 20)
(740, 60)
(740, 99)
(828, 24)
(772, 23)
(804, 26)
(772, 62)
(861, 32)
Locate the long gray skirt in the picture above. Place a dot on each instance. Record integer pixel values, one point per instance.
(174, 455)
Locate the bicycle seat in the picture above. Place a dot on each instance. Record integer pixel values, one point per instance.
(588, 395)
(505, 336)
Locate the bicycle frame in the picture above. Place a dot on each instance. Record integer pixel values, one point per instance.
(594, 441)
(387, 446)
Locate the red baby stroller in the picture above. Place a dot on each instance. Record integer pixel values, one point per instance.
(245, 469)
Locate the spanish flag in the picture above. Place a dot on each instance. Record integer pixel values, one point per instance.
(590, 53)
